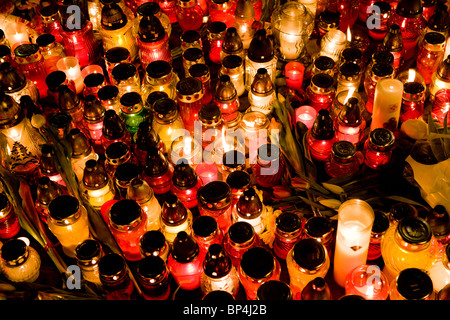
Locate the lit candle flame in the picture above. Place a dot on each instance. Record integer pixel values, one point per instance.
(225, 145)
(349, 94)
(349, 35)
(187, 146)
(411, 75)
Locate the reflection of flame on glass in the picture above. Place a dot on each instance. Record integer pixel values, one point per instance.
(226, 146)
(411, 75)
(349, 35)
(250, 124)
(350, 93)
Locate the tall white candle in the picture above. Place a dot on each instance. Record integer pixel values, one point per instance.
(387, 104)
(355, 220)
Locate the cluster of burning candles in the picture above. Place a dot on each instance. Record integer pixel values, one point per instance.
(168, 148)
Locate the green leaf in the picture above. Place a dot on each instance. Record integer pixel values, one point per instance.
(406, 200)
(333, 188)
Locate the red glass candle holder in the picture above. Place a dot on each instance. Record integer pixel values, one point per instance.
(9, 223)
(50, 22)
(378, 148)
(380, 225)
(361, 281)
(441, 105)
(413, 101)
(154, 278)
(239, 181)
(349, 125)
(207, 172)
(185, 262)
(344, 159)
(168, 7)
(81, 44)
(288, 231)
(321, 137)
(114, 277)
(214, 199)
(226, 98)
(258, 265)
(293, 72)
(269, 166)
(190, 100)
(185, 184)
(409, 16)
(206, 232)
(380, 15)
(128, 223)
(216, 35)
(222, 10)
(320, 93)
(158, 172)
(189, 14)
(240, 237)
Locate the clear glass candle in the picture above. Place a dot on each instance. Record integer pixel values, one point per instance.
(232, 44)
(332, 44)
(187, 149)
(349, 76)
(218, 272)
(9, 223)
(15, 84)
(256, 129)
(82, 151)
(260, 54)
(88, 254)
(159, 77)
(154, 8)
(440, 271)
(141, 192)
(378, 148)
(47, 190)
(175, 217)
(20, 261)
(355, 220)
(367, 281)
(258, 265)
(292, 25)
(51, 50)
(117, 30)
(191, 39)
(68, 221)
(167, 122)
(128, 223)
(126, 77)
(441, 78)
(97, 188)
(71, 67)
(262, 92)
(307, 260)
(233, 66)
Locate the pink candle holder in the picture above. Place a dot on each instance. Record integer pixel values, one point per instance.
(306, 115)
(93, 68)
(294, 75)
(207, 171)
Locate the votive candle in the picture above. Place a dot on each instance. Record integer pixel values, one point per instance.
(71, 67)
(387, 104)
(306, 115)
(294, 75)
